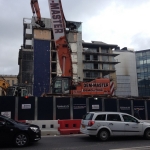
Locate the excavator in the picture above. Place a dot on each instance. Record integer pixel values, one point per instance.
(64, 84)
(14, 90)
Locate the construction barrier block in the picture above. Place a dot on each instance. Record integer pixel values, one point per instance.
(48, 127)
(69, 126)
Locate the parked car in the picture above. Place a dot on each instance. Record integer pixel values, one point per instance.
(20, 134)
(106, 124)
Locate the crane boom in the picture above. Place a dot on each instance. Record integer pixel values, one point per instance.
(36, 9)
(61, 43)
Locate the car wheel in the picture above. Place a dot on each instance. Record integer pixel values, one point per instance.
(21, 140)
(103, 135)
(147, 134)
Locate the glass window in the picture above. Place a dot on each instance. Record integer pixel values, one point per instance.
(95, 57)
(128, 118)
(105, 66)
(95, 66)
(8, 81)
(141, 62)
(12, 82)
(66, 85)
(101, 117)
(87, 57)
(113, 117)
(88, 66)
(88, 116)
(105, 58)
(104, 50)
(57, 84)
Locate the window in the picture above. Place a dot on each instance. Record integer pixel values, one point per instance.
(95, 66)
(105, 66)
(101, 117)
(8, 81)
(128, 118)
(88, 66)
(95, 57)
(12, 82)
(105, 58)
(88, 116)
(104, 51)
(113, 117)
(87, 57)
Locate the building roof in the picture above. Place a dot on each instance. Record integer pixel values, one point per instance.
(99, 44)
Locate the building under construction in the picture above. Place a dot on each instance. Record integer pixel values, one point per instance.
(38, 61)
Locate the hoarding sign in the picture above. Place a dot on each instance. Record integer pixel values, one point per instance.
(125, 106)
(26, 106)
(6, 113)
(95, 106)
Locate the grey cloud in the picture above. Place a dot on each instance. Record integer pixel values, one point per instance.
(13, 12)
(140, 41)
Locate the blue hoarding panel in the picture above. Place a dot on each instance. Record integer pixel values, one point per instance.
(41, 67)
(139, 109)
(95, 105)
(62, 108)
(125, 106)
(110, 105)
(79, 108)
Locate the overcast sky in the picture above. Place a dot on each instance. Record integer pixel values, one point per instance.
(122, 22)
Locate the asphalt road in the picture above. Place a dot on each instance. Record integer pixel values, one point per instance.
(84, 142)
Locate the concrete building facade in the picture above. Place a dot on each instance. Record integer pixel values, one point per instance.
(126, 72)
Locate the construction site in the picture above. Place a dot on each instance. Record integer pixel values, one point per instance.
(62, 77)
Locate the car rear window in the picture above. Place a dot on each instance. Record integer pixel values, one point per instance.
(88, 116)
(101, 117)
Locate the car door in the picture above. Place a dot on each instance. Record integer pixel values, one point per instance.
(115, 124)
(131, 125)
(2, 126)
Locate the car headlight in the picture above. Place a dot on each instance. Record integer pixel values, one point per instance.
(34, 129)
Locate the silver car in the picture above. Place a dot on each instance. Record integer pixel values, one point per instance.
(106, 124)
